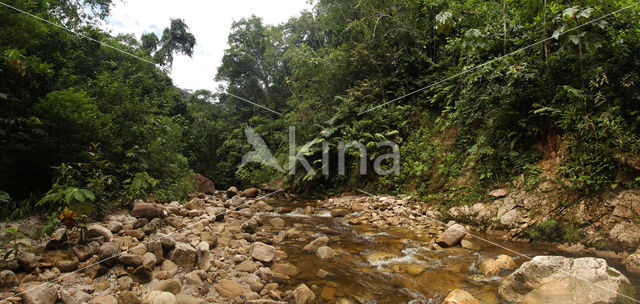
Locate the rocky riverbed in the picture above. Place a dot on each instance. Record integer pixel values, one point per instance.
(233, 247)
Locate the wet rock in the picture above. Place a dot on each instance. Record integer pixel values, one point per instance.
(128, 259)
(328, 293)
(324, 274)
(469, 245)
(229, 288)
(96, 230)
(38, 293)
(171, 285)
(416, 269)
(84, 252)
(277, 222)
(159, 297)
(125, 283)
(148, 211)
(114, 226)
(262, 252)
(203, 184)
(250, 193)
(8, 278)
(325, 253)
(285, 269)
(493, 267)
(557, 279)
(451, 236)
(104, 300)
(339, 212)
(303, 295)
(632, 262)
(315, 244)
(142, 274)
(27, 261)
(459, 296)
(107, 253)
(128, 297)
(184, 255)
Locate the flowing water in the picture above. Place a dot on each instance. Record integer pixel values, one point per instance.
(371, 266)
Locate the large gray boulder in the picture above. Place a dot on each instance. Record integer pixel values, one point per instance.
(557, 279)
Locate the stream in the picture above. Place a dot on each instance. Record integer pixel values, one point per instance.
(372, 266)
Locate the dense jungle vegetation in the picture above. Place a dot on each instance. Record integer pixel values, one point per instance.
(88, 126)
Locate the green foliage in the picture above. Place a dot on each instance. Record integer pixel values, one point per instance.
(10, 236)
(553, 230)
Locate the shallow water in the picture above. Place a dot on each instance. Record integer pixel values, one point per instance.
(371, 264)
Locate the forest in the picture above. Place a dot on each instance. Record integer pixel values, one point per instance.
(475, 93)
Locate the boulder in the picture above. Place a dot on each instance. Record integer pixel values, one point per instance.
(451, 236)
(210, 238)
(148, 210)
(170, 267)
(184, 255)
(339, 212)
(128, 297)
(250, 193)
(128, 259)
(229, 288)
(285, 269)
(203, 184)
(247, 266)
(159, 297)
(8, 278)
(557, 279)
(236, 201)
(187, 299)
(27, 261)
(38, 293)
(106, 299)
(108, 253)
(303, 295)
(325, 253)
(498, 193)
(84, 252)
(96, 230)
(170, 285)
(96, 270)
(632, 262)
(492, 267)
(277, 222)
(125, 283)
(142, 274)
(262, 252)
(459, 296)
(136, 233)
(232, 191)
(114, 226)
(315, 244)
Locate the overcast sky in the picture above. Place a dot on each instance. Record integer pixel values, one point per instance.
(209, 20)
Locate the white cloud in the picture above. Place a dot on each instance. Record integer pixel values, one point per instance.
(210, 22)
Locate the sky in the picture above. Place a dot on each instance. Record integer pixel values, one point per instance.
(209, 21)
